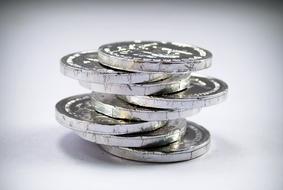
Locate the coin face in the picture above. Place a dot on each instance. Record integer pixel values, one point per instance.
(193, 144)
(171, 132)
(168, 85)
(77, 113)
(202, 92)
(112, 106)
(85, 66)
(154, 56)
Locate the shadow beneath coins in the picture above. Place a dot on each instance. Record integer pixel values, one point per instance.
(222, 148)
(90, 153)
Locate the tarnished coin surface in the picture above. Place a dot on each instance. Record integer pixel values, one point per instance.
(202, 92)
(154, 56)
(192, 145)
(115, 107)
(169, 85)
(171, 132)
(77, 113)
(85, 66)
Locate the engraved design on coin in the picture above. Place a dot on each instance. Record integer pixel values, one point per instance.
(78, 113)
(156, 51)
(142, 91)
(85, 66)
(153, 56)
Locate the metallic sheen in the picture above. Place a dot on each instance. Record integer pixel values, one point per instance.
(154, 56)
(193, 144)
(202, 92)
(85, 66)
(170, 133)
(77, 113)
(112, 106)
(169, 85)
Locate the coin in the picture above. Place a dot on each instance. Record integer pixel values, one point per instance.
(115, 107)
(77, 113)
(154, 56)
(85, 66)
(202, 92)
(169, 85)
(171, 132)
(193, 144)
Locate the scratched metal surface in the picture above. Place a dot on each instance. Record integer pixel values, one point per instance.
(171, 132)
(202, 92)
(115, 107)
(165, 86)
(85, 66)
(192, 145)
(246, 131)
(154, 56)
(77, 113)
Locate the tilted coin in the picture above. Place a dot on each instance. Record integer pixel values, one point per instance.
(115, 107)
(202, 92)
(77, 113)
(169, 85)
(192, 145)
(171, 132)
(86, 67)
(154, 56)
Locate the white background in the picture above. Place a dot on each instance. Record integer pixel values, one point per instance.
(247, 135)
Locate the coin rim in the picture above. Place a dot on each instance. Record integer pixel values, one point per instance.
(98, 77)
(151, 114)
(142, 155)
(182, 103)
(172, 84)
(133, 65)
(139, 140)
(69, 121)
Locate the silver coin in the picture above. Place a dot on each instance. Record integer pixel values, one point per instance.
(154, 56)
(115, 107)
(202, 92)
(193, 144)
(86, 67)
(171, 132)
(169, 85)
(77, 113)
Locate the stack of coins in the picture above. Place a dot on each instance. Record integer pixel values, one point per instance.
(142, 91)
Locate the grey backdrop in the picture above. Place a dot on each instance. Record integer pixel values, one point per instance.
(246, 39)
